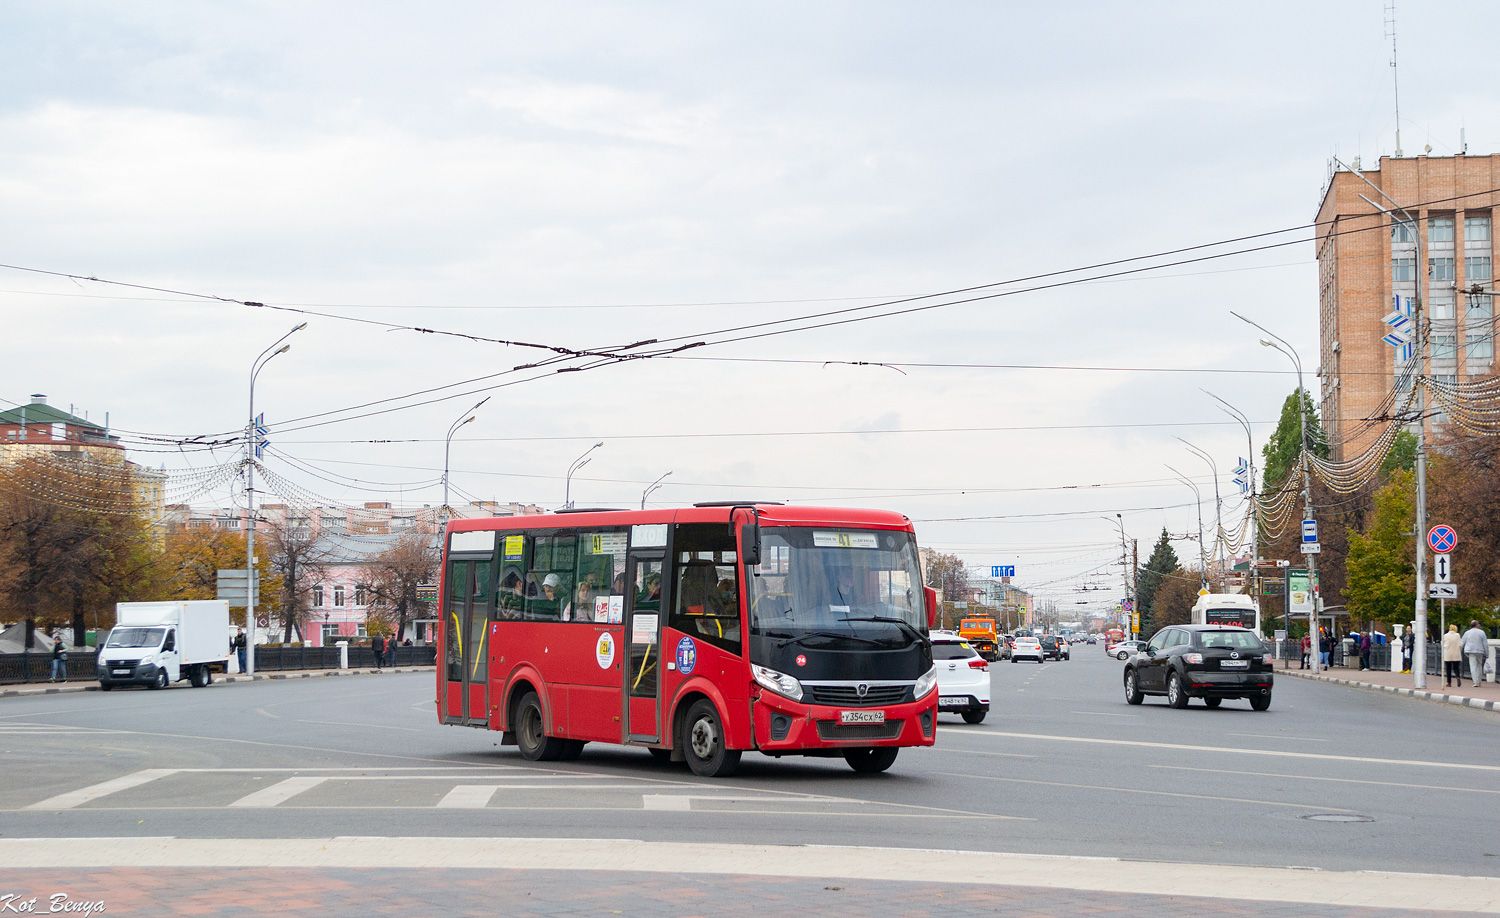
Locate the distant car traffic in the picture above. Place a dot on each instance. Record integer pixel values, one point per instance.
(1212, 662)
(1055, 647)
(963, 677)
(1027, 648)
(1125, 649)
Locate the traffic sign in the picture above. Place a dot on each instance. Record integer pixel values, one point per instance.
(1002, 570)
(1309, 530)
(1442, 569)
(1312, 548)
(1442, 591)
(1442, 538)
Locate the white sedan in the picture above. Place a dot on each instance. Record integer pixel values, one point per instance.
(1125, 649)
(1028, 647)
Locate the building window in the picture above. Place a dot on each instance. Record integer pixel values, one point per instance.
(1480, 309)
(338, 591)
(1402, 232)
(1439, 229)
(1403, 269)
(317, 599)
(1476, 229)
(1480, 347)
(1440, 270)
(1444, 347)
(330, 633)
(229, 524)
(361, 596)
(1442, 305)
(1478, 269)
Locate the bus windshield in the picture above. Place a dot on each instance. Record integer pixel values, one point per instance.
(135, 637)
(838, 586)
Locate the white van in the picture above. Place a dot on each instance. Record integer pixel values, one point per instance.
(158, 643)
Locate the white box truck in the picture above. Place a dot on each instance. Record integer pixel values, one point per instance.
(158, 643)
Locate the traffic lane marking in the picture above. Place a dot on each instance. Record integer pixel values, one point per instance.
(1368, 889)
(1232, 751)
(1304, 739)
(281, 791)
(1264, 774)
(1153, 793)
(83, 795)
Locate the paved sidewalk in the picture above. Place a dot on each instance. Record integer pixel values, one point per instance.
(1485, 696)
(54, 688)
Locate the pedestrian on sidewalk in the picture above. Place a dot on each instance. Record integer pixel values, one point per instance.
(1408, 641)
(1325, 647)
(1476, 648)
(1364, 650)
(59, 661)
(239, 648)
(377, 644)
(1306, 649)
(1453, 658)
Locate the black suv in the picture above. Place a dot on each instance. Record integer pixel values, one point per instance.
(1054, 647)
(1212, 662)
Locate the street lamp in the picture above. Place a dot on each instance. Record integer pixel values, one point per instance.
(578, 463)
(647, 493)
(1249, 486)
(1218, 505)
(1202, 561)
(447, 447)
(251, 439)
(1307, 509)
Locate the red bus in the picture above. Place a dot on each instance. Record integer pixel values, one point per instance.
(697, 633)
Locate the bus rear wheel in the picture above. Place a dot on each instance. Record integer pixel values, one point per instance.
(871, 760)
(703, 742)
(531, 734)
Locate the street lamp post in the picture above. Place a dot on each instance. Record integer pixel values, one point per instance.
(251, 439)
(654, 485)
(1202, 559)
(1218, 506)
(447, 511)
(578, 463)
(1307, 509)
(1249, 492)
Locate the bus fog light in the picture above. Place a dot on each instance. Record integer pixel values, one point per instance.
(780, 683)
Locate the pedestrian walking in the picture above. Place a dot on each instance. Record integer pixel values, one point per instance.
(1306, 649)
(239, 648)
(1476, 648)
(59, 661)
(1365, 643)
(377, 644)
(1453, 658)
(1325, 647)
(1408, 641)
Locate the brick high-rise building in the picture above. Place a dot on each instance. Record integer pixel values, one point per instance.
(1368, 258)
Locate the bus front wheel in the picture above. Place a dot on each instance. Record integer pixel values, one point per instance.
(703, 742)
(531, 734)
(872, 760)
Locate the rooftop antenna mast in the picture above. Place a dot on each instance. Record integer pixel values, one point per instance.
(1390, 32)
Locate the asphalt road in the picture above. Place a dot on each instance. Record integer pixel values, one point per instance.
(1063, 766)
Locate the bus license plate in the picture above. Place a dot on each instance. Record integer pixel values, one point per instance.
(861, 717)
(1234, 664)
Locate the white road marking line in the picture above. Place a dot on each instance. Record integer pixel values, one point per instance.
(1232, 751)
(1152, 793)
(281, 791)
(1304, 739)
(666, 802)
(1267, 774)
(683, 802)
(341, 723)
(95, 791)
(469, 797)
(1103, 714)
(1348, 889)
(41, 731)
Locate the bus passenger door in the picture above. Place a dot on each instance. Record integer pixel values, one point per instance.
(643, 624)
(466, 627)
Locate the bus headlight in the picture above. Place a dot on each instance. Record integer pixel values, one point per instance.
(780, 683)
(925, 684)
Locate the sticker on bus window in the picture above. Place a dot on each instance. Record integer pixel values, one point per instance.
(604, 650)
(601, 610)
(605, 543)
(616, 609)
(643, 628)
(653, 535)
(515, 547)
(687, 656)
(845, 540)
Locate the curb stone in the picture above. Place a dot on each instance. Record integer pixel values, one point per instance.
(1480, 704)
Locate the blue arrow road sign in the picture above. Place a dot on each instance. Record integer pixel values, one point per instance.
(1002, 570)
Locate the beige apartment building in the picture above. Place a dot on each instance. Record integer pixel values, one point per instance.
(1438, 210)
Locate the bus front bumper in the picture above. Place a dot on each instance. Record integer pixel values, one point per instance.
(786, 726)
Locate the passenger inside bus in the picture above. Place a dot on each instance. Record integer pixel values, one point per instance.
(581, 609)
(510, 600)
(707, 604)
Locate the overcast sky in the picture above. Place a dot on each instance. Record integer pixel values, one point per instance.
(589, 176)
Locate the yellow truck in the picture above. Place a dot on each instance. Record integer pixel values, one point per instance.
(982, 635)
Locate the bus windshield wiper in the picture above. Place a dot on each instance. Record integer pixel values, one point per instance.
(827, 634)
(905, 625)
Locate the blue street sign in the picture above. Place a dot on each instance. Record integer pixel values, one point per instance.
(1002, 570)
(1442, 539)
(1309, 530)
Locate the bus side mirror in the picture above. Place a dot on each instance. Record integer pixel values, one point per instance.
(931, 596)
(750, 542)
